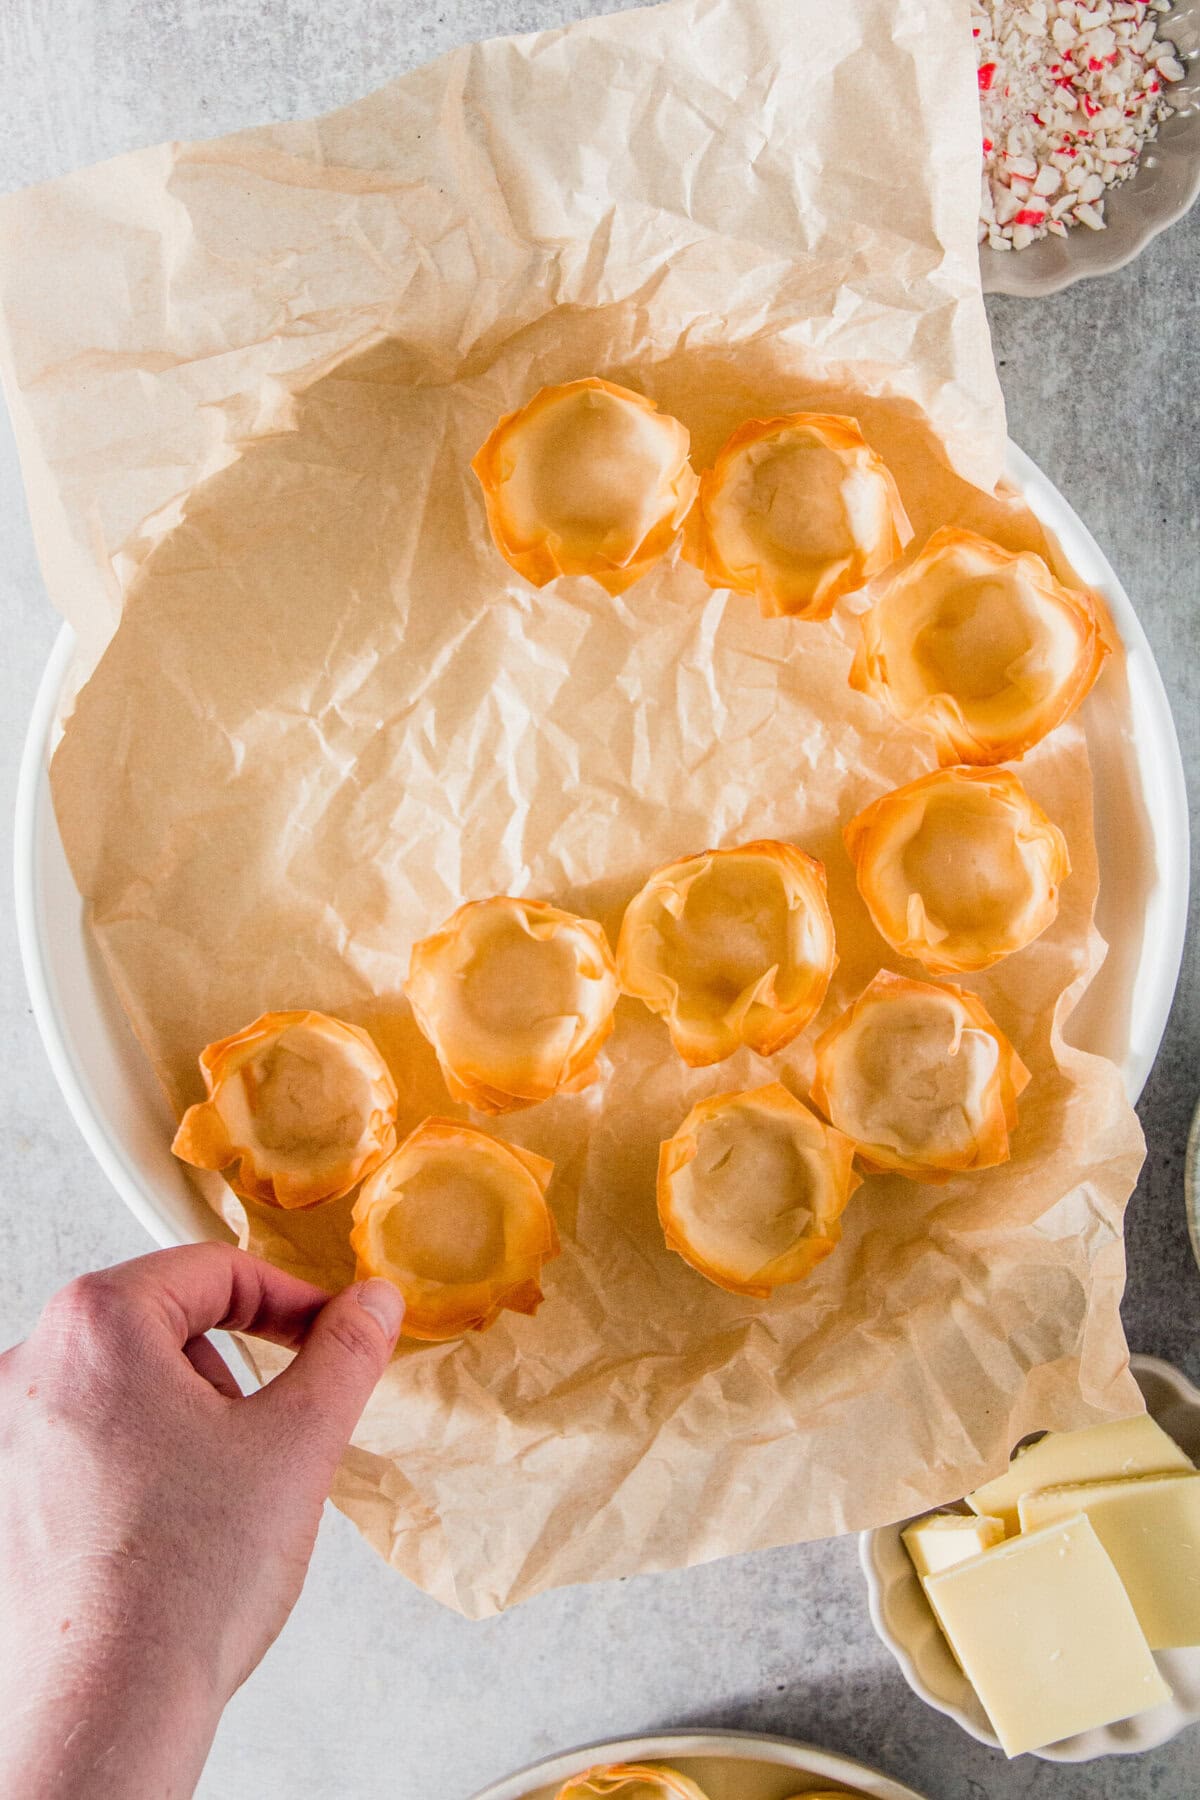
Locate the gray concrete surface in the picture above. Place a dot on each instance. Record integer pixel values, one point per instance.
(373, 1690)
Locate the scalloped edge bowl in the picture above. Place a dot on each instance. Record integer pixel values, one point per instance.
(1163, 190)
(903, 1620)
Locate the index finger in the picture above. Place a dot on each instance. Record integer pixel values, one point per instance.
(211, 1287)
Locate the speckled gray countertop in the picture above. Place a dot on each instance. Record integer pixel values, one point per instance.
(374, 1690)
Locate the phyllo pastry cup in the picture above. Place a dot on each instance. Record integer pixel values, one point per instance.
(796, 511)
(587, 478)
(632, 1781)
(516, 998)
(730, 947)
(752, 1187)
(300, 1108)
(959, 868)
(980, 647)
(458, 1221)
(921, 1077)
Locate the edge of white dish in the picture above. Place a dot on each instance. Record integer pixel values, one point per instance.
(904, 1622)
(687, 1746)
(104, 1077)
(114, 1098)
(1150, 984)
(1191, 1183)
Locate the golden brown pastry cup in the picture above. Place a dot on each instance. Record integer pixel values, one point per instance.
(300, 1108)
(959, 868)
(922, 1079)
(458, 1221)
(982, 648)
(587, 478)
(517, 999)
(721, 1179)
(797, 511)
(731, 947)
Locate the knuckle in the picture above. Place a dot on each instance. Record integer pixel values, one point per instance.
(79, 1349)
(357, 1337)
(84, 1307)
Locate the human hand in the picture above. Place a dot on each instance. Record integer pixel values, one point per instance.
(156, 1525)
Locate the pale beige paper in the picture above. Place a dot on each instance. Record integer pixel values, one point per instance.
(247, 379)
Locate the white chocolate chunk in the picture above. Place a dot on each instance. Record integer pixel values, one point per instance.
(1047, 1636)
(1150, 1527)
(1136, 1446)
(944, 1539)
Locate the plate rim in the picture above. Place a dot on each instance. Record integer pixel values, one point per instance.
(33, 795)
(1156, 724)
(734, 1746)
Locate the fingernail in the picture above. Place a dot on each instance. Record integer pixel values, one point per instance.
(385, 1304)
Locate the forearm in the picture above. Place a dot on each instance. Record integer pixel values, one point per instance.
(102, 1716)
(155, 1525)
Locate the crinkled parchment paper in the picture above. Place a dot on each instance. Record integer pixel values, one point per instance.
(247, 377)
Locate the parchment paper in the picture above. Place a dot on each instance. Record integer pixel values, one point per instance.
(247, 377)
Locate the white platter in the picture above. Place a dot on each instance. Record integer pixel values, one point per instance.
(728, 1765)
(903, 1621)
(1142, 839)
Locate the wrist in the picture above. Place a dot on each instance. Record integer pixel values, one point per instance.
(104, 1711)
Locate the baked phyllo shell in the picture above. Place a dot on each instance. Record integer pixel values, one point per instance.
(980, 647)
(797, 511)
(751, 1189)
(921, 1077)
(458, 1221)
(300, 1108)
(731, 947)
(516, 998)
(959, 868)
(632, 1781)
(587, 478)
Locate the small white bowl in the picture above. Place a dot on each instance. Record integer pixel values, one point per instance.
(1164, 188)
(903, 1621)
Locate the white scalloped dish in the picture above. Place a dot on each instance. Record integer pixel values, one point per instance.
(1163, 190)
(903, 1621)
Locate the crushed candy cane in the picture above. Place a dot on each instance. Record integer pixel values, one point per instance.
(1070, 91)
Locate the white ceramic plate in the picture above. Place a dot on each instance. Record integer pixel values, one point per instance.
(1142, 839)
(729, 1765)
(902, 1619)
(1164, 188)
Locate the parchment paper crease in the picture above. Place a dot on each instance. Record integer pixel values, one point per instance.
(247, 377)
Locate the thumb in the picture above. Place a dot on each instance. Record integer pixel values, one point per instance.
(326, 1386)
